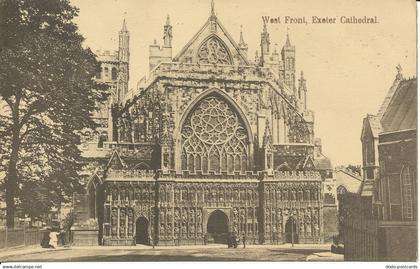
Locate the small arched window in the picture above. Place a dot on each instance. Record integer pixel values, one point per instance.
(102, 138)
(407, 192)
(106, 71)
(114, 73)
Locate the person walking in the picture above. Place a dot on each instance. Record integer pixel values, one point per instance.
(53, 239)
(244, 240)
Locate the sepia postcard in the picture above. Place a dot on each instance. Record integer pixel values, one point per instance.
(208, 130)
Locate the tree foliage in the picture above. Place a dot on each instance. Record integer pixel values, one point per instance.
(48, 96)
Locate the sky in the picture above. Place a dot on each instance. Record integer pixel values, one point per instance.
(348, 67)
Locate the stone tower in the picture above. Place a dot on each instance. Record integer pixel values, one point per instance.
(288, 58)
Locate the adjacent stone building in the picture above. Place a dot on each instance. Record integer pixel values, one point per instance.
(384, 227)
(211, 143)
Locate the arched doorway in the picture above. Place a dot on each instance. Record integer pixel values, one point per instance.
(217, 227)
(292, 235)
(142, 231)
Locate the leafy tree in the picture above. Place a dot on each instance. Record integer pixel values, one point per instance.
(48, 95)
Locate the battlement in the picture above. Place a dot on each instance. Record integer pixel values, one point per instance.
(106, 56)
(158, 54)
(225, 72)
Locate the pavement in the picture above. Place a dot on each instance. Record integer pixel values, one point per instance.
(213, 252)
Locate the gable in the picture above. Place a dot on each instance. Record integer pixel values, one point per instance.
(115, 162)
(212, 44)
(309, 164)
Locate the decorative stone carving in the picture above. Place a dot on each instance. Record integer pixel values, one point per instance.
(213, 51)
(214, 138)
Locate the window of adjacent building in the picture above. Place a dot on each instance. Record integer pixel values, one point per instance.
(407, 192)
(106, 71)
(114, 73)
(394, 197)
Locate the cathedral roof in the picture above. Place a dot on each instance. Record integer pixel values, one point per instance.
(401, 113)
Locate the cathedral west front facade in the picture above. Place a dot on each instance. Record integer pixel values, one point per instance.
(211, 143)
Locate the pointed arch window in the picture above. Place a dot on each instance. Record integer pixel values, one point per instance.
(114, 73)
(213, 51)
(214, 138)
(407, 192)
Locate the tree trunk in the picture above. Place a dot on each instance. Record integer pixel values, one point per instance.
(11, 184)
(12, 175)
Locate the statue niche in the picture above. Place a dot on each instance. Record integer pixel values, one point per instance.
(214, 138)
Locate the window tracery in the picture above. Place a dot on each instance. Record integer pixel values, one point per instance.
(213, 51)
(214, 138)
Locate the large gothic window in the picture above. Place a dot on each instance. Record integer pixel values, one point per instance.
(213, 51)
(407, 191)
(214, 138)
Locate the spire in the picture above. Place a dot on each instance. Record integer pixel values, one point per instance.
(257, 57)
(302, 92)
(241, 40)
(212, 13)
(124, 39)
(265, 41)
(302, 81)
(267, 135)
(124, 27)
(167, 33)
(287, 40)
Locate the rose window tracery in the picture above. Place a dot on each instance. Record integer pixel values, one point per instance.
(214, 138)
(213, 52)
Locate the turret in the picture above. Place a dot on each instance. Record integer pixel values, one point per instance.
(288, 58)
(265, 42)
(123, 63)
(302, 92)
(167, 34)
(243, 47)
(158, 54)
(123, 48)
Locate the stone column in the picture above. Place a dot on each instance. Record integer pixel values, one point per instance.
(118, 222)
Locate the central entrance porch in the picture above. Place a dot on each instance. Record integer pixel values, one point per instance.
(218, 227)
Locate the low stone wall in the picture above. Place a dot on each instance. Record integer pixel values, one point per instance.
(85, 237)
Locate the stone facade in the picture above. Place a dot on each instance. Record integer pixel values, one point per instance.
(212, 144)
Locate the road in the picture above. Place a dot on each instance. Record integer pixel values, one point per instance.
(186, 253)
